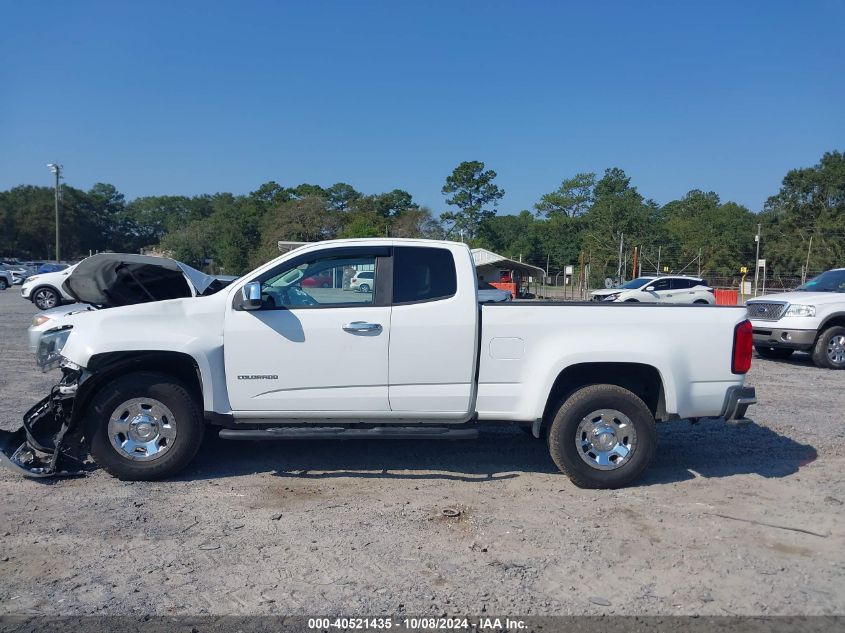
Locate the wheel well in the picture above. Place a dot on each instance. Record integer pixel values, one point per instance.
(107, 367)
(642, 380)
(49, 287)
(838, 320)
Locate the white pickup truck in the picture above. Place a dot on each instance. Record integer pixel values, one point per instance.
(279, 355)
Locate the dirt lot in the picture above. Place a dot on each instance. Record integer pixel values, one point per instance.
(357, 528)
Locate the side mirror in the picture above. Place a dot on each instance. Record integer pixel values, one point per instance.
(251, 295)
(650, 289)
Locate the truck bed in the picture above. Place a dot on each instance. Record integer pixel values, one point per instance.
(526, 344)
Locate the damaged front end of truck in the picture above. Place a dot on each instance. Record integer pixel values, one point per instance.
(50, 442)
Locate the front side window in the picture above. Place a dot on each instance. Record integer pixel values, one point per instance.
(423, 274)
(660, 284)
(639, 282)
(327, 281)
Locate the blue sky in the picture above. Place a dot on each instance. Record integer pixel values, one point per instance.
(194, 97)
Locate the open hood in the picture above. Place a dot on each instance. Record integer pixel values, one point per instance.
(120, 279)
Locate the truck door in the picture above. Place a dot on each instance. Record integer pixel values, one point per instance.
(312, 348)
(433, 335)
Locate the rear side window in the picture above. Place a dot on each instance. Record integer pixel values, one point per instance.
(680, 284)
(423, 274)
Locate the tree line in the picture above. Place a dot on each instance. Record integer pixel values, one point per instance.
(589, 217)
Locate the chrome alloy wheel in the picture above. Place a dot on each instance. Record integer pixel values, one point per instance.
(606, 439)
(45, 299)
(142, 429)
(836, 349)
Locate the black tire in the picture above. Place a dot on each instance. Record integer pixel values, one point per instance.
(3, 283)
(45, 297)
(188, 422)
(778, 353)
(631, 301)
(563, 432)
(701, 302)
(364, 287)
(825, 357)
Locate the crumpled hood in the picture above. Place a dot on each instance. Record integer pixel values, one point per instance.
(802, 297)
(120, 279)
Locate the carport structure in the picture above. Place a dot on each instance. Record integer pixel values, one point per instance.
(504, 273)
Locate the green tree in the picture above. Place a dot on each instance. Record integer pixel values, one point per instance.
(474, 193)
(810, 204)
(572, 199)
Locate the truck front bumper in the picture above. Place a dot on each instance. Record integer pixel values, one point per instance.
(737, 401)
(766, 336)
(49, 442)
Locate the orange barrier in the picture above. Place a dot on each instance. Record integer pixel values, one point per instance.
(726, 297)
(503, 286)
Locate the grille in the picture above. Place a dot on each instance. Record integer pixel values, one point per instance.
(763, 311)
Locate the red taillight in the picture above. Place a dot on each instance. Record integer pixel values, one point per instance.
(741, 357)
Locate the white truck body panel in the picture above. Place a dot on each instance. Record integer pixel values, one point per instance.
(423, 363)
(695, 369)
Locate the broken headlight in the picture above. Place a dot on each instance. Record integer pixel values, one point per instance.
(49, 353)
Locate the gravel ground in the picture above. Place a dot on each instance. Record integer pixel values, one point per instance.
(357, 528)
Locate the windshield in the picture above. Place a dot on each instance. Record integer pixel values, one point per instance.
(635, 283)
(830, 281)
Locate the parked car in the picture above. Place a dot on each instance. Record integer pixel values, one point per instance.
(810, 319)
(488, 293)
(669, 289)
(418, 358)
(322, 279)
(52, 268)
(6, 277)
(125, 279)
(363, 281)
(19, 271)
(45, 290)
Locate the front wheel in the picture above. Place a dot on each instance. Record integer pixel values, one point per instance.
(46, 298)
(603, 436)
(144, 426)
(3, 283)
(829, 351)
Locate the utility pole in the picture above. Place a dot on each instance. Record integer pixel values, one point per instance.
(807, 265)
(658, 260)
(699, 262)
(757, 260)
(56, 169)
(619, 267)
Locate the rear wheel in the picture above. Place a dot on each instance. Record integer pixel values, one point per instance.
(701, 301)
(603, 436)
(364, 287)
(773, 352)
(829, 351)
(144, 426)
(3, 283)
(45, 298)
(631, 301)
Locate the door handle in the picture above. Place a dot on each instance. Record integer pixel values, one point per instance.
(362, 326)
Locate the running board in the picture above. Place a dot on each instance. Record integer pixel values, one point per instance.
(343, 433)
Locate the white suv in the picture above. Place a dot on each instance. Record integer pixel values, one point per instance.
(669, 289)
(363, 281)
(45, 290)
(811, 318)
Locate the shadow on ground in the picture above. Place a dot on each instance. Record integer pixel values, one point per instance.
(685, 451)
